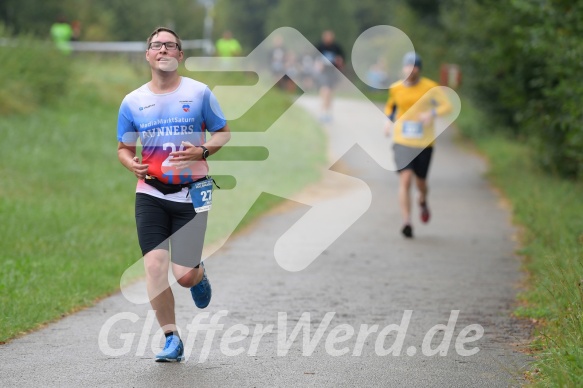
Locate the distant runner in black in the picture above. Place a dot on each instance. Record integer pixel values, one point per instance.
(332, 59)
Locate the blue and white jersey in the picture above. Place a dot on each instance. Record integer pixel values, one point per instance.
(162, 122)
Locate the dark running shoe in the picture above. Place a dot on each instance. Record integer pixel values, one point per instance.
(425, 214)
(202, 292)
(407, 231)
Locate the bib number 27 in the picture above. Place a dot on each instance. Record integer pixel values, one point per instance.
(207, 195)
(201, 194)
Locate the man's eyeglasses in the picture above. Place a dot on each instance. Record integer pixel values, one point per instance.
(169, 45)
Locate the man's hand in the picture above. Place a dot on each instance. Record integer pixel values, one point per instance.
(127, 156)
(139, 170)
(189, 154)
(426, 117)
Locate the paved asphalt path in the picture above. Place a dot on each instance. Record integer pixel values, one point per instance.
(462, 260)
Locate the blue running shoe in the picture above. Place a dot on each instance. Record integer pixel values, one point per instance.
(173, 350)
(202, 292)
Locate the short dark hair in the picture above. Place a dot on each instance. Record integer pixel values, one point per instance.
(164, 29)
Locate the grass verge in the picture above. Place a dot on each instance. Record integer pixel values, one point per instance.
(550, 210)
(66, 204)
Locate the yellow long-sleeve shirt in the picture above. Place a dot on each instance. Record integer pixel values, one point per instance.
(406, 103)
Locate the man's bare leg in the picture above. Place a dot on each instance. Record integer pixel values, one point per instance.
(156, 263)
(326, 98)
(405, 180)
(423, 190)
(187, 277)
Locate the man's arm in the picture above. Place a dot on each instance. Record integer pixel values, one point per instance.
(440, 105)
(127, 156)
(390, 111)
(192, 153)
(218, 139)
(339, 59)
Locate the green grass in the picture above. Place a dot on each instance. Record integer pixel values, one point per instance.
(550, 212)
(66, 203)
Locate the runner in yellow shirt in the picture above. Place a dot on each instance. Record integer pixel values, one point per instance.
(412, 105)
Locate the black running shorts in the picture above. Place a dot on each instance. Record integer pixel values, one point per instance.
(170, 225)
(411, 158)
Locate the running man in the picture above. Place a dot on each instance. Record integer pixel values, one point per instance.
(327, 75)
(414, 102)
(170, 115)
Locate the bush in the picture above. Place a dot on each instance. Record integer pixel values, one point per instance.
(522, 64)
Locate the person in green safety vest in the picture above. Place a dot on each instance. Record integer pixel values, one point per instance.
(228, 46)
(62, 32)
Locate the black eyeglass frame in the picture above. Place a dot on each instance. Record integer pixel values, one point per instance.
(165, 44)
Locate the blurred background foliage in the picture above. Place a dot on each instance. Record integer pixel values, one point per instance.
(31, 74)
(520, 59)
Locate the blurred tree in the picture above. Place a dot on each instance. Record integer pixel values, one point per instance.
(482, 42)
(30, 16)
(370, 13)
(135, 20)
(427, 10)
(522, 62)
(312, 17)
(245, 19)
(106, 19)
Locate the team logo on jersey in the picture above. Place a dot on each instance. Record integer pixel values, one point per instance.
(186, 107)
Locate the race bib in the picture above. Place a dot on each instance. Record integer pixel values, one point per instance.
(412, 129)
(201, 194)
